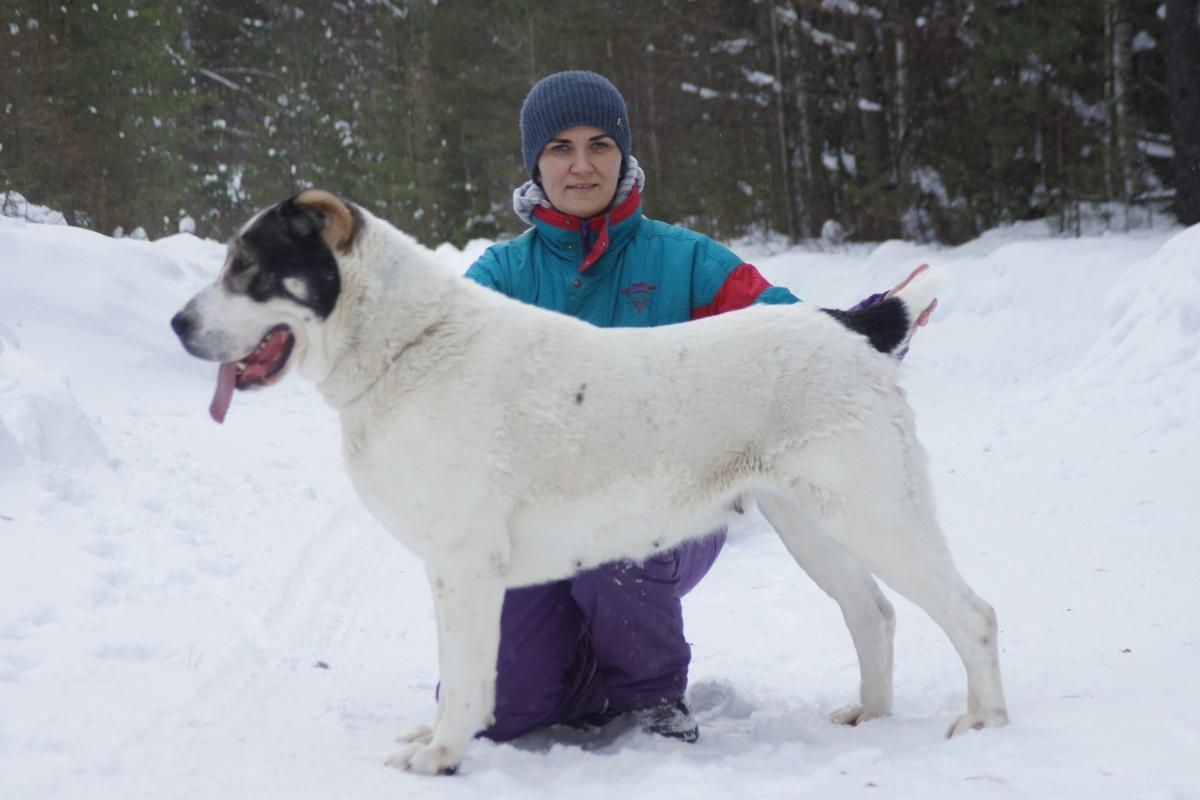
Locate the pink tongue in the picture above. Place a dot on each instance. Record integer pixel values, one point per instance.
(223, 396)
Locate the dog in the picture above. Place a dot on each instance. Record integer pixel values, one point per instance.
(507, 445)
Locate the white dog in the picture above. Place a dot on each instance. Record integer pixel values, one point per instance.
(507, 445)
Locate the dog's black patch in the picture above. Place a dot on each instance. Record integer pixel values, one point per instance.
(885, 323)
(284, 243)
(579, 394)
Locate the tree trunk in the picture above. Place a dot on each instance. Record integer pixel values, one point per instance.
(785, 169)
(1120, 42)
(902, 61)
(868, 101)
(1110, 51)
(652, 125)
(808, 182)
(1183, 87)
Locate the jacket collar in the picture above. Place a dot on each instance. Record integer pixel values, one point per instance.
(594, 237)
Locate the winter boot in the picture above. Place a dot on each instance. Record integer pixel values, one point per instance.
(672, 720)
(590, 723)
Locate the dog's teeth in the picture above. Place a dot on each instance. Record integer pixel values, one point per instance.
(241, 365)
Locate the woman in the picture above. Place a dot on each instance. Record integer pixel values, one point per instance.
(608, 641)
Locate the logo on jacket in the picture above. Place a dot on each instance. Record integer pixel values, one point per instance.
(638, 295)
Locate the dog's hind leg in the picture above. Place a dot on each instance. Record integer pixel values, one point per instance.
(868, 614)
(970, 623)
(909, 554)
(468, 619)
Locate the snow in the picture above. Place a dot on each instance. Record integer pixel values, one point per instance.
(13, 204)
(759, 78)
(193, 611)
(705, 93)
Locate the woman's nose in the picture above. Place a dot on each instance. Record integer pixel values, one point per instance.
(581, 163)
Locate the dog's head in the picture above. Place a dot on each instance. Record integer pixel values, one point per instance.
(280, 282)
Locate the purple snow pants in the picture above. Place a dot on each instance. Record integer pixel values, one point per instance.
(611, 635)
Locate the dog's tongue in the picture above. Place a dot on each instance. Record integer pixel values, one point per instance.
(223, 396)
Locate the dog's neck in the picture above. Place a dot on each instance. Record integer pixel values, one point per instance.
(393, 318)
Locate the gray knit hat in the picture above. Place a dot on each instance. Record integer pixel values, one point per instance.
(566, 99)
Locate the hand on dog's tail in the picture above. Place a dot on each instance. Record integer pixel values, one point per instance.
(889, 323)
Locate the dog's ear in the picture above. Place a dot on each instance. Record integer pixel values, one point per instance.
(336, 219)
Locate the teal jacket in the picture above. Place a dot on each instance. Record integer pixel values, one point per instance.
(622, 270)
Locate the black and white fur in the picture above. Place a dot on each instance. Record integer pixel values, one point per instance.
(507, 445)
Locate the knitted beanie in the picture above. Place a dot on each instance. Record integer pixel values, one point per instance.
(566, 99)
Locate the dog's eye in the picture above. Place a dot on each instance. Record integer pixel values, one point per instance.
(238, 266)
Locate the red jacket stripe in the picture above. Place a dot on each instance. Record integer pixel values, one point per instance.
(741, 287)
(619, 214)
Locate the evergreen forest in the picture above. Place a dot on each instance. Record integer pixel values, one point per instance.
(841, 119)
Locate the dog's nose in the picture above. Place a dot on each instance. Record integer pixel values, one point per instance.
(182, 325)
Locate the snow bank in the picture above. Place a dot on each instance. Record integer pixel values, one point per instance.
(197, 612)
(13, 204)
(1153, 324)
(40, 415)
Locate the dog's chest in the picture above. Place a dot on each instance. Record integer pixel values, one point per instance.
(413, 474)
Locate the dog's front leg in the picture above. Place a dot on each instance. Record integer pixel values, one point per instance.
(468, 619)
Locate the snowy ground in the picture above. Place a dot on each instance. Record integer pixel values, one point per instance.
(193, 611)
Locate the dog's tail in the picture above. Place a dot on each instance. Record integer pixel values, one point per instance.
(889, 323)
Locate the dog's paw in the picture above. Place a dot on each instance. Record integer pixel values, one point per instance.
(855, 714)
(422, 734)
(977, 721)
(425, 759)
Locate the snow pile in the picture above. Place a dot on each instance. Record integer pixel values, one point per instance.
(1153, 318)
(13, 204)
(79, 309)
(41, 419)
(189, 611)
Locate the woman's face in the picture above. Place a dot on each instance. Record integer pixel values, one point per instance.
(580, 168)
